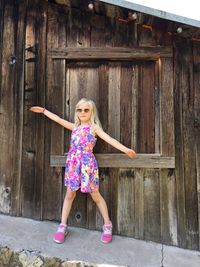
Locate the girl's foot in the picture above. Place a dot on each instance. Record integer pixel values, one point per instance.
(59, 236)
(106, 236)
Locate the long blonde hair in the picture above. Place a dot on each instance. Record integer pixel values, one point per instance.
(94, 119)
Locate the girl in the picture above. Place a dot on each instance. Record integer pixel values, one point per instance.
(81, 167)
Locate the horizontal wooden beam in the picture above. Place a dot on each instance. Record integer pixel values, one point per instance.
(122, 161)
(111, 53)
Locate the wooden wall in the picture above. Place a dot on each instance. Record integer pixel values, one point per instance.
(53, 55)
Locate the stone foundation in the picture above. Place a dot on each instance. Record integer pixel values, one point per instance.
(26, 258)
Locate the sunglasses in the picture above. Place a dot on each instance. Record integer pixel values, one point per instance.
(85, 110)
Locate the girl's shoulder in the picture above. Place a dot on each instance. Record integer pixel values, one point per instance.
(97, 129)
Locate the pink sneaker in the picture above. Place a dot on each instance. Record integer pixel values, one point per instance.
(59, 236)
(106, 236)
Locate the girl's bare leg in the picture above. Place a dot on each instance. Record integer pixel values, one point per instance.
(99, 200)
(67, 204)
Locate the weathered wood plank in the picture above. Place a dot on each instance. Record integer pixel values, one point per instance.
(167, 147)
(139, 203)
(191, 201)
(115, 53)
(122, 161)
(186, 172)
(179, 171)
(157, 105)
(28, 167)
(1, 29)
(146, 108)
(52, 193)
(40, 99)
(97, 28)
(126, 104)
(6, 107)
(168, 207)
(196, 55)
(152, 228)
(114, 81)
(134, 104)
(126, 203)
(18, 110)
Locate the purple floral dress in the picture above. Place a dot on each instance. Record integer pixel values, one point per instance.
(81, 169)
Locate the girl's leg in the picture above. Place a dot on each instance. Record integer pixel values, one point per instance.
(59, 236)
(99, 200)
(67, 204)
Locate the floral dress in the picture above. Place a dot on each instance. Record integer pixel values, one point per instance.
(81, 169)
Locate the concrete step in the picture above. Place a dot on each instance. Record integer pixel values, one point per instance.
(31, 240)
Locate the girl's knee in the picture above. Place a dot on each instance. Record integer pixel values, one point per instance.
(96, 196)
(70, 195)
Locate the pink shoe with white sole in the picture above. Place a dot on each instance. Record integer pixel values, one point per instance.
(59, 236)
(106, 236)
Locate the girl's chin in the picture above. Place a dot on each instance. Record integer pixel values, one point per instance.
(84, 120)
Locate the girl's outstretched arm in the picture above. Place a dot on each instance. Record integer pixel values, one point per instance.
(54, 117)
(113, 142)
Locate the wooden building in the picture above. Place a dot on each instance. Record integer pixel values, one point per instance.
(143, 71)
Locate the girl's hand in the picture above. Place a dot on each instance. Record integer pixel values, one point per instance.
(37, 109)
(131, 153)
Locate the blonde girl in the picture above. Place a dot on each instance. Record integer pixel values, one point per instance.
(81, 171)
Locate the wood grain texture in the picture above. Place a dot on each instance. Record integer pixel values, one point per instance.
(196, 54)
(18, 108)
(6, 103)
(167, 147)
(145, 82)
(52, 192)
(122, 161)
(115, 53)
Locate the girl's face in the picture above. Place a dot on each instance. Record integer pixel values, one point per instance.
(84, 113)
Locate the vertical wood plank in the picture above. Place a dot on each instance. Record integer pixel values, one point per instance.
(126, 104)
(134, 130)
(138, 173)
(167, 148)
(139, 204)
(1, 35)
(168, 207)
(40, 99)
(189, 152)
(126, 205)
(179, 159)
(52, 196)
(28, 184)
(146, 120)
(157, 104)
(196, 58)
(151, 206)
(187, 187)
(114, 131)
(6, 106)
(18, 110)
(114, 101)
(102, 147)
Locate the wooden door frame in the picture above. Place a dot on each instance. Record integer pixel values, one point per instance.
(155, 160)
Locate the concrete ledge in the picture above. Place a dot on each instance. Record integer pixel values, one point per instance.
(29, 242)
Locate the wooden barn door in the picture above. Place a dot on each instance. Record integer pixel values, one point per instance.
(135, 103)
